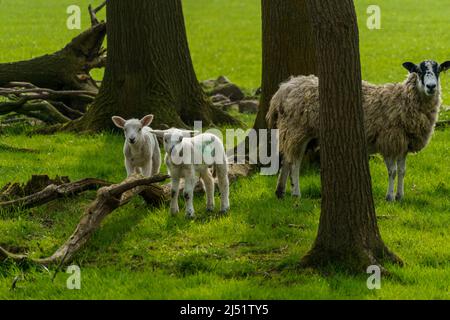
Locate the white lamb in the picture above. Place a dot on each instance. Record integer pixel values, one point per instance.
(186, 157)
(141, 148)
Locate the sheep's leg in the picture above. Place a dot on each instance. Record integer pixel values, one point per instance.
(156, 162)
(174, 209)
(224, 187)
(282, 179)
(208, 181)
(129, 167)
(147, 170)
(401, 164)
(295, 172)
(391, 165)
(189, 185)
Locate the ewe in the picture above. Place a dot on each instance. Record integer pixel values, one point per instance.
(141, 148)
(188, 156)
(398, 118)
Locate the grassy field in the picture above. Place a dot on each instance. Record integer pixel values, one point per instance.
(252, 253)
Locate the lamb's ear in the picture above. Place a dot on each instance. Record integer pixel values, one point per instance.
(145, 121)
(411, 67)
(158, 133)
(444, 66)
(119, 121)
(191, 132)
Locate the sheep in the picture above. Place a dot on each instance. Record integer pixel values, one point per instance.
(398, 119)
(141, 148)
(186, 157)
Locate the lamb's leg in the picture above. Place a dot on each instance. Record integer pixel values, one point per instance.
(189, 185)
(295, 172)
(208, 181)
(147, 170)
(156, 162)
(391, 165)
(224, 187)
(282, 179)
(401, 178)
(174, 209)
(129, 167)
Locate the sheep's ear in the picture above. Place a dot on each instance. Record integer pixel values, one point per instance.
(119, 121)
(158, 133)
(191, 132)
(145, 121)
(444, 66)
(411, 67)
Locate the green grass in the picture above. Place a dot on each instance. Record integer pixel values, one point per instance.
(225, 35)
(253, 252)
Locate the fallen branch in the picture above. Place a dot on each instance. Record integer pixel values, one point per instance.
(41, 110)
(108, 199)
(443, 124)
(53, 192)
(5, 147)
(37, 183)
(42, 103)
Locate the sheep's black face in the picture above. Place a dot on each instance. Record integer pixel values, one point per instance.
(428, 72)
(429, 77)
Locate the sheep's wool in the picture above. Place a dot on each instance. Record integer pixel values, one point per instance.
(397, 117)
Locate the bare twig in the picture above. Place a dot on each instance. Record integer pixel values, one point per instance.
(93, 13)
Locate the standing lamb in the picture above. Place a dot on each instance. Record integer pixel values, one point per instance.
(141, 148)
(188, 156)
(398, 118)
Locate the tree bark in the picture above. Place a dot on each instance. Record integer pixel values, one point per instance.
(149, 69)
(348, 232)
(287, 46)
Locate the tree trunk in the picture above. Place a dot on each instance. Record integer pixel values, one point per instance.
(149, 69)
(348, 233)
(288, 48)
(67, 69)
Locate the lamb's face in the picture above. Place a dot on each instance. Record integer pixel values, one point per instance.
(171, 138)
(428, 73)
(133, 131)
(133, 128)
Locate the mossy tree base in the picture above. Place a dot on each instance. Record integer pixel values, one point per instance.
(354, 259)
